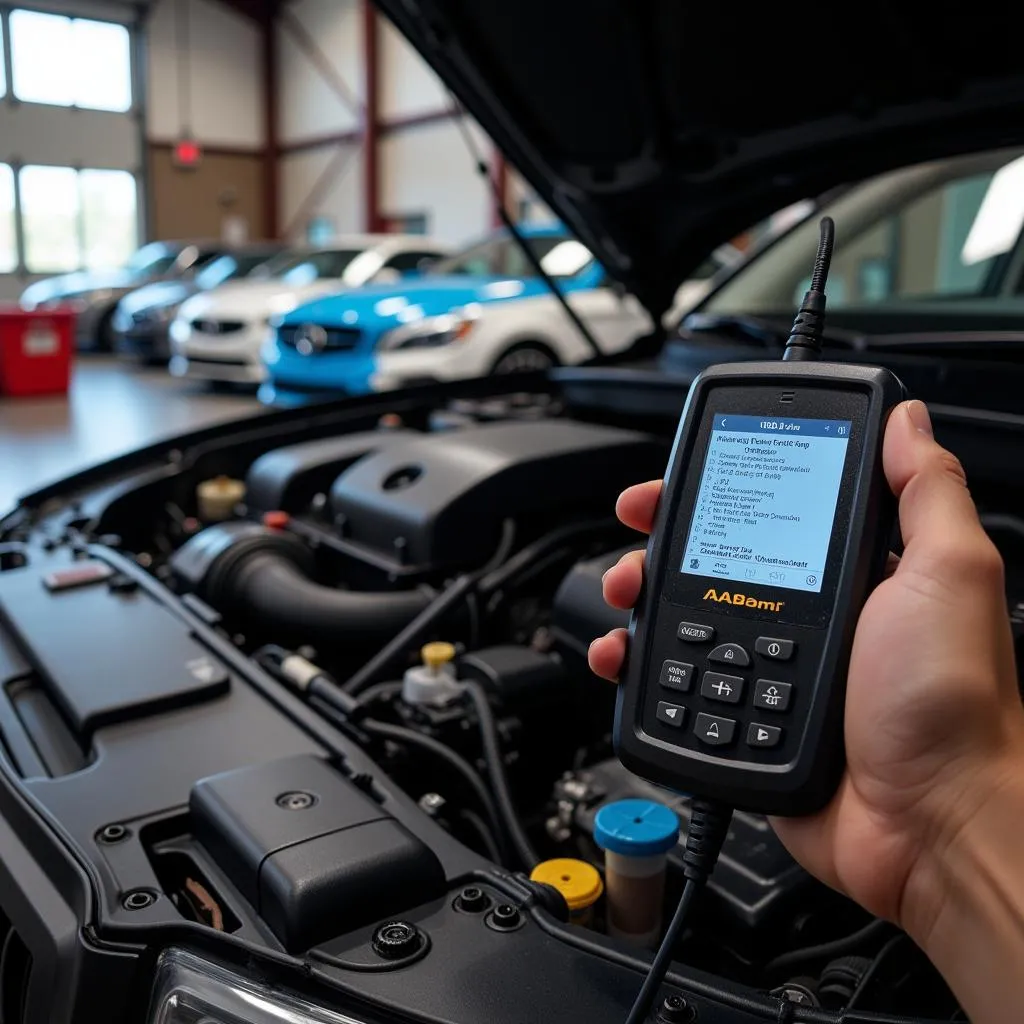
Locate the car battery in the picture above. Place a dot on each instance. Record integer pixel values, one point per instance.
(36, 350)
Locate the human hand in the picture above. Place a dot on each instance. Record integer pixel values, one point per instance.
(934, 724)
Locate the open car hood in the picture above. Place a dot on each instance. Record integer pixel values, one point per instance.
(657, 130)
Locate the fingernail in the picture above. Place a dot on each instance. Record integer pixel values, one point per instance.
(918, 413)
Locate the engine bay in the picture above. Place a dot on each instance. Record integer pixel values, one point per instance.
(305, 696)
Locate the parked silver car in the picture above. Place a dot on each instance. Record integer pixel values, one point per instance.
(94, 293)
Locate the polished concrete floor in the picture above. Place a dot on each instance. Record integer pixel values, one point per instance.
(111, 409)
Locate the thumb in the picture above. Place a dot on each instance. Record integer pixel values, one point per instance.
(942, 535)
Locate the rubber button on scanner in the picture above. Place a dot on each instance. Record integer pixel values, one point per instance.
(771, 695)
(677, 675)
(714, 731)
(694, 633)
(763, 735)
(716, 686)
(730, 654)
(670, 714)
(770, 647)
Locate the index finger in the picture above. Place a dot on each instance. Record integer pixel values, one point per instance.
(636, 505)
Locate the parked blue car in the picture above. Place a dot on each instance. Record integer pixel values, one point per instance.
(482, 311)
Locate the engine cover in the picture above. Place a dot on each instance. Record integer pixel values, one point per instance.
(439, 500)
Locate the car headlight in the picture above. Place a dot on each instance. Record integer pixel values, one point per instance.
(432, 332)
(189, 989)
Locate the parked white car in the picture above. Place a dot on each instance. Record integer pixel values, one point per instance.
(217, 335)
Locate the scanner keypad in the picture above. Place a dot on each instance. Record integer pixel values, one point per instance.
(739, 702)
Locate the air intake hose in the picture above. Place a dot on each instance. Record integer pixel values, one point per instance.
(266, 573)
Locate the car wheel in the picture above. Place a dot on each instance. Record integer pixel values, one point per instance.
(105, 332)
(528, 357)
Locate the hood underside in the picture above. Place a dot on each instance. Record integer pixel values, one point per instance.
(657, 130)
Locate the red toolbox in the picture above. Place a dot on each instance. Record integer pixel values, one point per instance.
(36, 350)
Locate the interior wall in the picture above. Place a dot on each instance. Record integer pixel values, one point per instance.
(325, 183)
(309, 105)
(428, 170)
(424, 168)
(222, 198)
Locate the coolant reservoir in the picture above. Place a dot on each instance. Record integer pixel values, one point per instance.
(636, 836)
(434, 681)
(578, 882)
(217, 498)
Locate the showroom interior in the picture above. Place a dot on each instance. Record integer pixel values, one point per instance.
(511, 512)
(225, 122)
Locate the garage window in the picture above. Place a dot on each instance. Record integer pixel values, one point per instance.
(75, 219)
(8, 237)
(70, 62)
(109, 220)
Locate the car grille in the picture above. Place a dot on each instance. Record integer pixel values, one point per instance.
(218, 326)
(324, 339)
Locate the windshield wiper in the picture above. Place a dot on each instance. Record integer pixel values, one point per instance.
(771, 334)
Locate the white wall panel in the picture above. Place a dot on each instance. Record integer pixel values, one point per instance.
(225, 75)
(429, 170)
(407, 84)
(343, 200)
(308, 105)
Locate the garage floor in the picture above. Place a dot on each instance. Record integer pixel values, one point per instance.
(112, 409)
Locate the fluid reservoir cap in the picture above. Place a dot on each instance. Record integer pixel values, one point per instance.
(636, 828)
(438, 654)
(578, 882)
(276, 519)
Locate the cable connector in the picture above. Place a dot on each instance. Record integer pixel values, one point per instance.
(709, 825)
(805, 336)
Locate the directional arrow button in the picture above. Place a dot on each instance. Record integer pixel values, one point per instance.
(670, 714)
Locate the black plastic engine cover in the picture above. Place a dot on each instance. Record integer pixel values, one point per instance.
(314, 855)
(439, 500)
(289, 477)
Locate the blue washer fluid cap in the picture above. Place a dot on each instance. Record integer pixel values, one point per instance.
(636, 828)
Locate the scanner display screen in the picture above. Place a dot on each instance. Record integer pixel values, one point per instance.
(767, 500)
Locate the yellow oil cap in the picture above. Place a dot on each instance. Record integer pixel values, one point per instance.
(437, 654)
(576, 880)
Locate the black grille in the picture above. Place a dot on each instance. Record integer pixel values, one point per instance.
(217, 326)
(319, 339)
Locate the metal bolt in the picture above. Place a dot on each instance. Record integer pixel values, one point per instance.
(296, 801)
(504, 918)
(676, 1010)
(396, 940)
(472, 900)
(432, 804)
(138, 899)
(112, 834)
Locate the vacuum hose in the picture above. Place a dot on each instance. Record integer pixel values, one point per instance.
(266, 573)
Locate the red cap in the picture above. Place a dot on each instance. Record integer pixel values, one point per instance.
(276, 520)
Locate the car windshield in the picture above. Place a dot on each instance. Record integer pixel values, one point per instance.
(916, 249)
(306, 267)
(151, 261)
(560, 255)
(229, 266)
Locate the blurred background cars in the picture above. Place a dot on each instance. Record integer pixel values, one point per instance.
(142, 319)
(94, 294)
(217, 336)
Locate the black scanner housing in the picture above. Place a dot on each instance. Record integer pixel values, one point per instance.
(802, 776)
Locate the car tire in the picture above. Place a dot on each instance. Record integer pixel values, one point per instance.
(526, 357)
(104, 340)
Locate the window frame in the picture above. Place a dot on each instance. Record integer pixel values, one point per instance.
(23, 269)
(9, 96)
